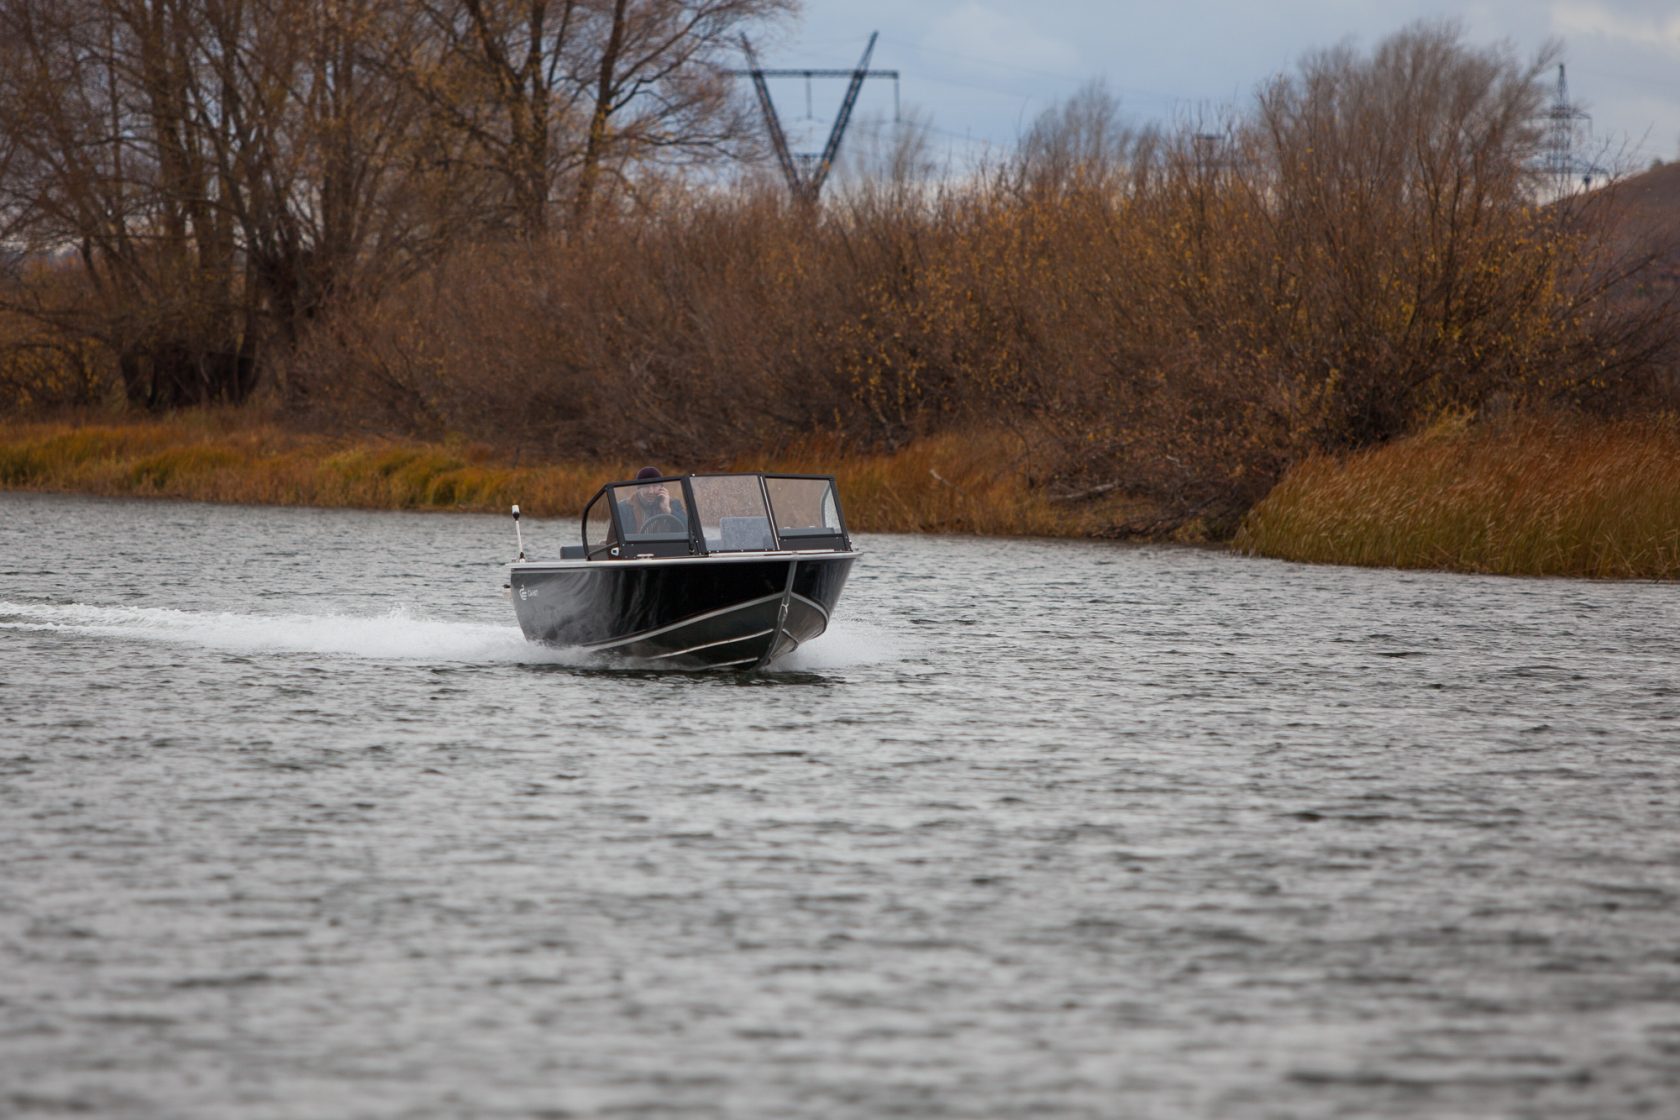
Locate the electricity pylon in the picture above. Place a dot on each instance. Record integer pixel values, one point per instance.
(806, 171)
(1563, 121)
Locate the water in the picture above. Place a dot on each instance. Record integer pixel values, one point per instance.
(295, 824)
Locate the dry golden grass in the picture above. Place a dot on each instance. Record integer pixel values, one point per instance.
(225, 456)
(1530, 497)
(1566, 497)
(969, 483)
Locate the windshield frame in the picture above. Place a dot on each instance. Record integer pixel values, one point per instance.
(621, 543)
(618, 546)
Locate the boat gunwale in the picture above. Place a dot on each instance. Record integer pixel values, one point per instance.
(622, 562)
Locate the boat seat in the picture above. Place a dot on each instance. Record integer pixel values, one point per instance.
(571, 552)
(745, 534)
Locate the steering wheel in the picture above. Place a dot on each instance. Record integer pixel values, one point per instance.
(663, 523)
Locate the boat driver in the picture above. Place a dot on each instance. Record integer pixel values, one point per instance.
(651, 508)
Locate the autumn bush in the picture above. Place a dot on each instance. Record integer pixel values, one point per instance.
(1362, 251)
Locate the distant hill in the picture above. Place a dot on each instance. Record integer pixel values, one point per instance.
(1648, 218)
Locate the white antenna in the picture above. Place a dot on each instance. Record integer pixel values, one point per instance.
(518, 533)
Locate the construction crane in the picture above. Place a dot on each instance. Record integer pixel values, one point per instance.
(805, 172)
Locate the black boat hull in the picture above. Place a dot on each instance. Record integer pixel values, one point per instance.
(686, 613)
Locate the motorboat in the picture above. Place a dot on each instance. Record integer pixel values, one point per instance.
(692, 572)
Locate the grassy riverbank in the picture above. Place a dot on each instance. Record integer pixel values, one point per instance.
(944, 484)
(1562, 496)
(1559, 497)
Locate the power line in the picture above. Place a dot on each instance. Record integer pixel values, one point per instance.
(1062, 76)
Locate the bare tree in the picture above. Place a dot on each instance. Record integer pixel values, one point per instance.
(225, 169)
(1083, 141)
(95, 107)
(660, 94)
(220, 167)
(554, 98)
(891, 153)
(1395, 188)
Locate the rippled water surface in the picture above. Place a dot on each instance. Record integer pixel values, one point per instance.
(295, 824)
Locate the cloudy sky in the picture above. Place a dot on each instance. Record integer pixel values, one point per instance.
(980, 70)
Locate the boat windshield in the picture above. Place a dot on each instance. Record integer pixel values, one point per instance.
(733, 512)
(805, 508)
(712, 513)
(652, 511)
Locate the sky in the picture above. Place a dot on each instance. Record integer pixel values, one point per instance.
(979, 71)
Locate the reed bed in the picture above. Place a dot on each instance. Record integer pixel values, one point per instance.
(1537, 496)
(953, 483)
(967, 482)
(226, 457)
(1555, 496)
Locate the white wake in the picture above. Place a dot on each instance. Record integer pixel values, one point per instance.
(398, 635)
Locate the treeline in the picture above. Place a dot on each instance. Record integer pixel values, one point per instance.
(188, 185)
(1178, 314)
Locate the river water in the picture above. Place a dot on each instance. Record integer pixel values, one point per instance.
(294, 824)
